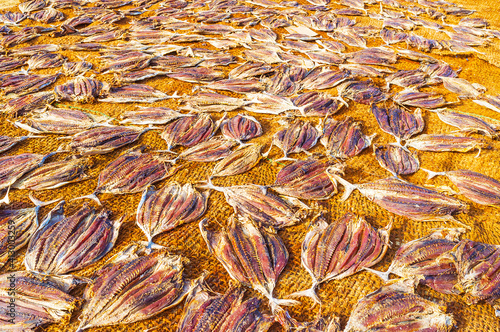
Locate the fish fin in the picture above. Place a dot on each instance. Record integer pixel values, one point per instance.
(382, 275)
(478, 153)
(310, 292)
(5, 200)
(266, 154)
(92, 196)
(285, 159)
(27, 128)
(150, 246)
(348, 187)
(431, 174)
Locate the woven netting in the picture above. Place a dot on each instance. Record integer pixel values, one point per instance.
(338, 297)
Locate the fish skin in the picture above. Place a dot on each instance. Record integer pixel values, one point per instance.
(405, 199)
(424, 259)
(239, 161)
(76, 68)
(407, 79)
(461, 87)
(251, 69)
(298, 137)
(81, 89)
(398, 122)
(32, 83)
(396, 159)
(9, 63)
(45, 60)
(38, 302)
(440, 143)
(241, 128)
(392, 36)
(212, 102)
(326, 79)
(188, 130)
(344, 139)
(259, 205)
(320, 324)
(212, 150)
(466, 123)
(48, 15)
(135, 76)
(64, 244)
(54, 175)
(340, 249)
(305, 179)
(133, 289)
(251, 255)
(101, 140)
(169, 207)
(394, 308)
(7, 142)
(238, 85)
(197, 75)
(477, 187)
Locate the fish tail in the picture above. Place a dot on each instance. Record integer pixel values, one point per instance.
(348, 187)
(431, 174)
(5, 200)
(38, 203)
(276, 304)
(92, 196)
(310, 292)
(382, 275)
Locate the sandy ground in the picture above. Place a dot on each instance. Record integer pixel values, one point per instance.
(8, 3)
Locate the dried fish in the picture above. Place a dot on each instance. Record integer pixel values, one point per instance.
(238, 85)
(299, 136)
(206, 311)
(396, 159)
(340, 249)
(415, 98)
(102, 140)
(65, 244)
(305, 179)
(363, 92)
(212, 150)
(12, 168)
(316, 104)
(241, 128)
(398, 122)
(344, 139)
(45, 60)
(442, 143)
(259, 205)
(477, 267)
(37, 302)
(252, 255)
(19, 106)
(461, 87)
(213, 102)
(134, 93)
(25, 222)
(392, 36)
(9, 63)
(81, 89)
(250, 69)
(7, 142)
(491, 102)
(188, 130)
(12, 18)
(132, 172)
(58, 121)
(465, 122)
(382, 56)
(48, 15)
(31, 6)
(132, 288)
(324, 79)
(348, 36)
(421, 258)
(150, 115)
(407, 79)
(171, 206)
(240, 161)
(197, 75)
(32, 83)
(439, 69)
(76, 68)
(397, 307)
(477, 187)
(405, 199)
